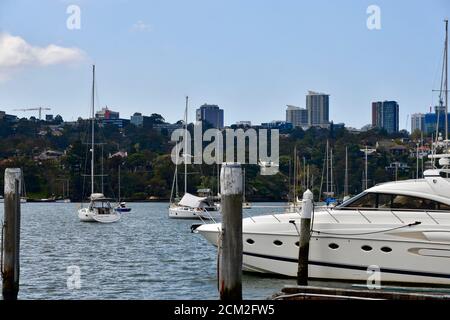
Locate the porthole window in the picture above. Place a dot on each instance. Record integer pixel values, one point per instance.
(366, 248)
(277, 243)
(297, 244)
(333, 246)
(250, 241)
(386, 249)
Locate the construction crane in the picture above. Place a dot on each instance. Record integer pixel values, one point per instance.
(35, 109)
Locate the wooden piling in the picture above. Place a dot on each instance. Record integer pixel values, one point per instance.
(305, 235)
(11, 234)
(230, 257)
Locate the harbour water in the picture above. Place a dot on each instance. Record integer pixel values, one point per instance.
(145, 255)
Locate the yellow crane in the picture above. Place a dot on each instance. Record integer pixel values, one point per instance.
(35, 109)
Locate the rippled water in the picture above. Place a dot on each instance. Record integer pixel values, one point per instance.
(145, 255)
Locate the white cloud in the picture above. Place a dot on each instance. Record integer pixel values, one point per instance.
(15, 53)
(141, 26)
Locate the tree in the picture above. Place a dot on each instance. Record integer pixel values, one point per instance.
(156, 118)
(58, 119)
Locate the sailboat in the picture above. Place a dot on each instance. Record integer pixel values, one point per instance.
(122, 206)
(99, 209)
(65, 193)
(190, 206)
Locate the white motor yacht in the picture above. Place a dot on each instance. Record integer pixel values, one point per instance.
(403, 228)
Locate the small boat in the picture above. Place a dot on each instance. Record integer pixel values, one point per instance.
(122, 207)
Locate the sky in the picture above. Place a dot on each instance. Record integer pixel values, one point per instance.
(252, 58)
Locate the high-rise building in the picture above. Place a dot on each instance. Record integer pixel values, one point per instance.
(212, 114)
(106, 114)
(137, 119)
(417, 122)
(297, 116)
(385, 115)
(431, 119)
(317, 105)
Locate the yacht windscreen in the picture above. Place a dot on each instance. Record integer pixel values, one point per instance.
(394, 201)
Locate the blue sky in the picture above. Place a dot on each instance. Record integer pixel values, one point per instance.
(250, 57)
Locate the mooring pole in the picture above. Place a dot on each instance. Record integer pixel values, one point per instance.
(305, 235)
(11, 234)
(230, 244)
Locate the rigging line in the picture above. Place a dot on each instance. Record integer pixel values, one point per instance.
(366, 233)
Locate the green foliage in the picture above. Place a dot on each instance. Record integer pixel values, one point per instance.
(148, 171)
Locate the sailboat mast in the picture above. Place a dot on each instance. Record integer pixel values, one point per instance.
(185, 144)
(119, 182)
(346, 172)
(366, 170)
(93, 129)
(446, 84)
(331, 170)
(176, 174)
(243, 187)
(328, 170)
(295, 174)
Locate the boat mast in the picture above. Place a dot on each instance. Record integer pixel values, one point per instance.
(366, 169)
(119, 182)
(185, 144)
(446, 84)
(295, 174)
(328, 170)
(93, 129)
(243, 187)
(346, 171)
(331, 171)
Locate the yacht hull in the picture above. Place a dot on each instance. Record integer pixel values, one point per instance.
(415, 254)
(86, 215)
(177, 212)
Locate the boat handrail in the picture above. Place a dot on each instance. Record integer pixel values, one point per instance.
(326, 209)
(392, 211)
(273, 215)
(431, 217)
(364, 216)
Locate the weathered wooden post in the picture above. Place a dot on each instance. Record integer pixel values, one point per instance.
(11, 234)
(305, 235)
(230, 243)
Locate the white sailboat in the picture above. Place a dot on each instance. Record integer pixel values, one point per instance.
(190, 206)
(99, 209)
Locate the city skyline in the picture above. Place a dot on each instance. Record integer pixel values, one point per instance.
(251, 59)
